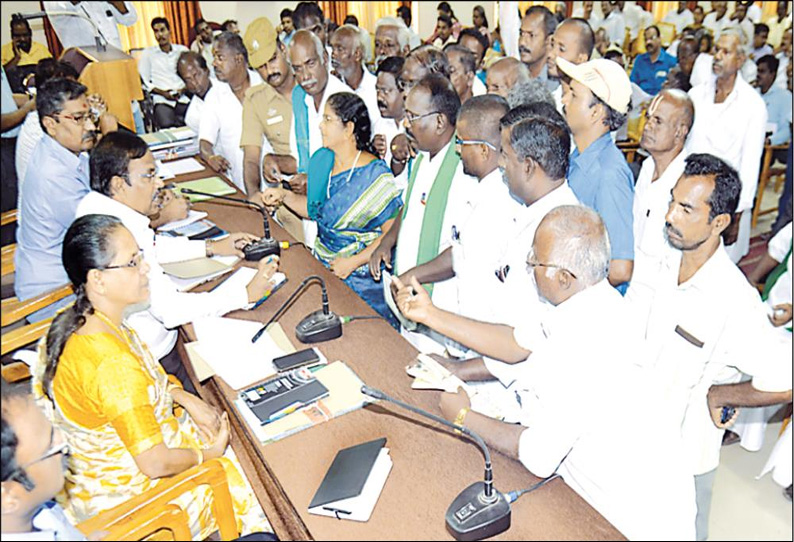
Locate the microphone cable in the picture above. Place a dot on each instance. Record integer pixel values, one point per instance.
(348, 319)
(513, 496)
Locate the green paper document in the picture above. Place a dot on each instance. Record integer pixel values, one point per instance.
(211, 185)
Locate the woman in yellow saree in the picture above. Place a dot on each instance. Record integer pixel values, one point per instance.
(113, 402)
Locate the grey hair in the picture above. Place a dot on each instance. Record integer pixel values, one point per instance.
(403, 36)
(581, 242)
(744, 46)
(361, 44)
(522, 74)
(318, 45)
(528, 92)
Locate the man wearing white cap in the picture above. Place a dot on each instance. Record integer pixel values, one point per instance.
(597, 104)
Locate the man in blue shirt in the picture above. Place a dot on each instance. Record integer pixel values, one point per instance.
(650, 69)
(777, 100)
(54, 185)
(597, 104)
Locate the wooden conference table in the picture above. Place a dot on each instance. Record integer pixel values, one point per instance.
(431, 464)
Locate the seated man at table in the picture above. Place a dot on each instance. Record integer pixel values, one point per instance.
(580, 396)
(21, 55)
(125, 184)
(192, 68)
(52, 189)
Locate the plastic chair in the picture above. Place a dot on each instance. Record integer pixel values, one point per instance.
(767, 173)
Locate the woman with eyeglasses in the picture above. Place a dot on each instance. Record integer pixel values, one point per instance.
(113, 402)
(352, 196)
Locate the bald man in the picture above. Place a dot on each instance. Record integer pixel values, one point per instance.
(504, 74)
(574, 41)
(669, 121)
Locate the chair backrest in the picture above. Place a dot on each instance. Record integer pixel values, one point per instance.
(151, 512)
(14, 310)
(23, 336)
(667, 33)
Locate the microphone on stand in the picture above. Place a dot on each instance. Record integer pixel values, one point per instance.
(258, 249)
(479, 511)
(321, 325)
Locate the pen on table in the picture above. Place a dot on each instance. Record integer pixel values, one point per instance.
(267, 293)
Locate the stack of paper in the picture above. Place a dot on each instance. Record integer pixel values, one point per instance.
(190, 273)
(180, 167)
(211, 185)
(172, 143)
(225, 344)
(431, 375)
(192, 216)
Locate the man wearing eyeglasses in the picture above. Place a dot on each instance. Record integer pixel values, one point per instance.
(533, 160)
(54, 184)
(125, 184)
(434, 199)
(32, 471)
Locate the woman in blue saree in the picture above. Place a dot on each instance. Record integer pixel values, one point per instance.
(352, 196)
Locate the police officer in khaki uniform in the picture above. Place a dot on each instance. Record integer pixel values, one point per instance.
(267, 111)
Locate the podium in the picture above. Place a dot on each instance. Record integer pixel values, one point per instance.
(111, 74)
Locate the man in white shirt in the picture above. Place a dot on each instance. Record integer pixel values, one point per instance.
(436, 190)
(669, 120)
(717, 19)
(586, 12)
(535, 149)
(193, 70)
(125, 184)
(614, 23)
(574, 41)
(778, 23)
(578, 362)
(480, 240)
(739, 18)
(157, 67)
(203, 42)
(76, 31)
(636, 18)
(222, 117)
(462, 70)
(680, 17)
(701, 322)
(347, 61)
(730, 123)
(534, 42)
(392, 111)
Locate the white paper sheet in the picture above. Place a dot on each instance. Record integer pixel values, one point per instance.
(192, 216)
(184, 166)
(225, 344)
(386, 278)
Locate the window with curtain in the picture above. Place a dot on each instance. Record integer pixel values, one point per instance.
(368, 13)
(140, 35)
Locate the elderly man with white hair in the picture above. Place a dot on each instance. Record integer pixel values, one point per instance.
(391, 39)
(579, 394)
(310, 64)
(348, 49)
(730, 123)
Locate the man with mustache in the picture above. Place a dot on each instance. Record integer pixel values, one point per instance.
(434, 197)
(392, 111)
(391, 39)
(267, 108)
(310, 64)
(22, 51)
(650, 68)
(702, 322)
(730, 123)
(348, 53)
(53, 189)
(158, 72)
(222, 119)
(669, 119)
(534, 40)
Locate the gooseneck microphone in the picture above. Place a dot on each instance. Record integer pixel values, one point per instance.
(479, 511)
(258, 249)
(321, 325)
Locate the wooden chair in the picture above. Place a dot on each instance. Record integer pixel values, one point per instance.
(667, 33)
(153, 516)
(629, 149)
(14, 310)
(767, 173)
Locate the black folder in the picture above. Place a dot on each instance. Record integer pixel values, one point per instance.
(348, 473)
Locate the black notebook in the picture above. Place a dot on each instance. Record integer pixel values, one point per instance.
(354, 481)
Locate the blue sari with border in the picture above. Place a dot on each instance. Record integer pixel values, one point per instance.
(349, 216)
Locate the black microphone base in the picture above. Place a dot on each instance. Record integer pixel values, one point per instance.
(318, 327)
(470, 518)
(259, 249)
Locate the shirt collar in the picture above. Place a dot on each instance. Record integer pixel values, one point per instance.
(710, 273)
(591, 154)
(64, 155)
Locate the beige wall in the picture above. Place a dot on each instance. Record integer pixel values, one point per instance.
(9, 8)
(243, 12)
